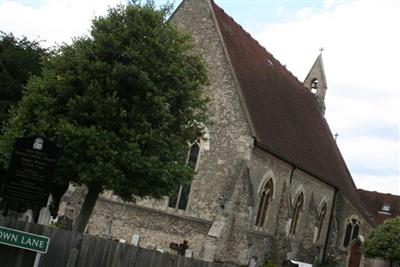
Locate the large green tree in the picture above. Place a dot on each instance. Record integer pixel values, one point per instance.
(122, 104)
(20, 58)
(384, 241)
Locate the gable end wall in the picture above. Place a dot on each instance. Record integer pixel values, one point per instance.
(230, 135)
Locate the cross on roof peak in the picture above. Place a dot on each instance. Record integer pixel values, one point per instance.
(321, 50)
(336, 136)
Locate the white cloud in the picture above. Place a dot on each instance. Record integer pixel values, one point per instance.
(304, 12)
(361, 62)
(371, 155)
(386, 184)
(54, 20)
(280, 11)
(327, 4)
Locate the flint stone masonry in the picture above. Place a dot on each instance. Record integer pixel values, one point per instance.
(230, 137)
(264, 166)
(155, 229)
(343, 210)
(315, 194)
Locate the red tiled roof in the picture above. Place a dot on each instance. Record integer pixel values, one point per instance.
(375, 201)
(284, 114)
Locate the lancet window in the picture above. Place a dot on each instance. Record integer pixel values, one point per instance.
(264, 203)
(180, 200)
(298, 208)
(352, 229)
(321, 219)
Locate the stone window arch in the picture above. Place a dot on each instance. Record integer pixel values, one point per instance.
(351, 231)
(297, 210)
(180, 201)
(264, 203)
(321, 218)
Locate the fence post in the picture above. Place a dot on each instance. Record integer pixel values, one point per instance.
(72, 258)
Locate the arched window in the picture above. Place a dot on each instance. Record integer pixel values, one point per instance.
(298, 208)
(352, 229)
(180, 200)
(321, 219)
(265, 201)
(193, 156)
(314, 86)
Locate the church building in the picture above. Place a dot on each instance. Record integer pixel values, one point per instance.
(270, 184)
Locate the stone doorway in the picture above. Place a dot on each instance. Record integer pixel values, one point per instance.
(355, 255)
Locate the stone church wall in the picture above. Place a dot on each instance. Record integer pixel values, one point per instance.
(229, 134)
(304, 244)
(263, 241)
(156, 229)
(263, 167)
(343, 210)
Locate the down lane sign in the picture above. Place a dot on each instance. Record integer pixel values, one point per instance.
(24, 240)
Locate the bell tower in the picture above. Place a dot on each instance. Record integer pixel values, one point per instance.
(316, 82)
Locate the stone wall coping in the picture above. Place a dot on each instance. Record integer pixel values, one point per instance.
(179, 216)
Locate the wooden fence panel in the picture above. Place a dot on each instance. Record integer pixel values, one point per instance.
(144, 257)
(98, 252)
(88, 251)
(156, 259)
(132, 253)
(110, 256)
(55, 255)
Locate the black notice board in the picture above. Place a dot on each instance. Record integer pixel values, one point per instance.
(2, 176)
(31, 171)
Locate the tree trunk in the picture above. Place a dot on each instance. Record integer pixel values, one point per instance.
(391, 263)
(86, 210)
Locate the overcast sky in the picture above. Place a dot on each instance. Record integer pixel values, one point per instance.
(361, 57)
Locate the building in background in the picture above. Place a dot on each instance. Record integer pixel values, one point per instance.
(382, 206)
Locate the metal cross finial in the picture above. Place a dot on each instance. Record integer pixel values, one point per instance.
(321, 50)
(336, 136)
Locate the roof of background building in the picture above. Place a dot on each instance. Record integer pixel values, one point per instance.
(382, 206)
(285, 114)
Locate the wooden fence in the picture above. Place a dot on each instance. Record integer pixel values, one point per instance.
(76, 250)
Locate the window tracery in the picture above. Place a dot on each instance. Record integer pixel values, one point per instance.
(352, 230)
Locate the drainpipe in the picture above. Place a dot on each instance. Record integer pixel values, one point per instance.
(329, 226)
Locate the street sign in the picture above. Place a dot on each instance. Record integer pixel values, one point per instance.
(24, 240)
(31, 171)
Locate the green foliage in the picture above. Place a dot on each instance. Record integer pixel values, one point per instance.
(122, 104)
(19, 59)
(269, 263)
(384, 241)
(331, 260)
